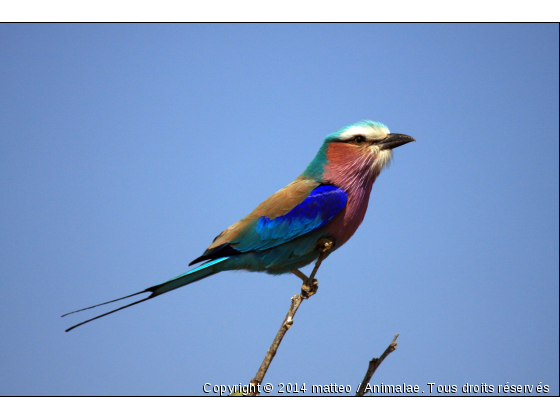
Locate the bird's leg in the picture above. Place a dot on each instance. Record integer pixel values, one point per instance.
(299, 274)
(310, 284)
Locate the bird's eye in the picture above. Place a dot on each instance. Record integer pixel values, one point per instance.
(358, 139)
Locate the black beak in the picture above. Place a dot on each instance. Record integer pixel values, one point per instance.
(394, 140)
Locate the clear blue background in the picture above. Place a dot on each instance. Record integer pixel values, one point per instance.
(125, 149)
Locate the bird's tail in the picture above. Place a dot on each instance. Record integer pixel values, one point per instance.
(205, 270)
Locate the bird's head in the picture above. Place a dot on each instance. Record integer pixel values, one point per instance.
(361, 150)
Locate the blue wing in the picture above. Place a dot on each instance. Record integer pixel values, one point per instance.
(319, 207)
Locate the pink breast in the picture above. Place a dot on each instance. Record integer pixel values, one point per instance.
(352, 169)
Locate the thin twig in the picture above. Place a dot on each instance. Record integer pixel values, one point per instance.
(308, 289)
(288, 321)
(374, 364)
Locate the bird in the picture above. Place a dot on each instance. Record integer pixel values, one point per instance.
(328, 200)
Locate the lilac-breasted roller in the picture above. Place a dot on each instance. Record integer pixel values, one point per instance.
(328, 200)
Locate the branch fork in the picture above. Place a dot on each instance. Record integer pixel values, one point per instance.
(374, 364)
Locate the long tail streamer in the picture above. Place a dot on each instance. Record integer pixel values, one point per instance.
(189, 277)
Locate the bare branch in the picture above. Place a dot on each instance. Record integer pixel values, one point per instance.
(286, 324)
(308, 289)
(374, 364)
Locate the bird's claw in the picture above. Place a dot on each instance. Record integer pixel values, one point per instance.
(308, 290)
(324, 245)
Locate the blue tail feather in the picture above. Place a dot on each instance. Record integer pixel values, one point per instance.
(189, 277)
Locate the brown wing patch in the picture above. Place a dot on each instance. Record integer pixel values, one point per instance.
(278, 204)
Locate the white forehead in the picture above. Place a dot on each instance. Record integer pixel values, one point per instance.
(369, 131)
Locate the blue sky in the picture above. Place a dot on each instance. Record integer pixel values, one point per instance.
(125, 149)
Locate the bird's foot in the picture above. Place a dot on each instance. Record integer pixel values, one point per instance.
(309, 288)
(324, 245)
(310, 284)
